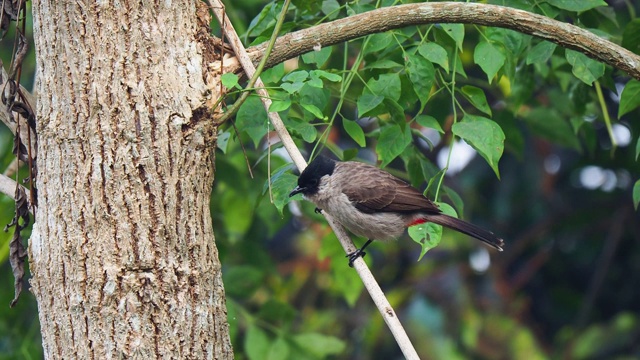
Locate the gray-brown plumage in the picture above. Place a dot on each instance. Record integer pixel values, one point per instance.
(375, 204)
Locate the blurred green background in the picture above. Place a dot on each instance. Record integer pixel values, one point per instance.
(566, 284)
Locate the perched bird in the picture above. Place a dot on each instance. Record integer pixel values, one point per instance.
(375, 204)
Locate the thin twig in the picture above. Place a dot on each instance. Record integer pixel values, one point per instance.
(8, 187)
(369, 281)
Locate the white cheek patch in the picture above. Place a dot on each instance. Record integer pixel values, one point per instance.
(324, 185)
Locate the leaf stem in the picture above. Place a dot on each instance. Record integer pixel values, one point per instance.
(455, 119)
(245, 94)
(605, 115)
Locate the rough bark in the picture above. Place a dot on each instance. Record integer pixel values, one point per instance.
(122, 254)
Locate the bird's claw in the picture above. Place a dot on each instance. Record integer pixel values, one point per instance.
(354, 255)
(317, 211)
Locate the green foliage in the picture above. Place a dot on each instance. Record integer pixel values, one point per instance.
(584, 68)
(573, 5)
(229, 80)
(400, 97)
(355, 132)
(484, 135)
(630, 98)
(422, 75)
(428, 235)
(436, 54)
(490, 57)
(477, 98)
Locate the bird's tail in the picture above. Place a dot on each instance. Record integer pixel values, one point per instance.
(466, 228)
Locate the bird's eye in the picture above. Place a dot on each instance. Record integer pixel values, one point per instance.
(313, 182)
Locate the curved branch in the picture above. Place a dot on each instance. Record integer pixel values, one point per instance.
(394, 17)
(8, 187)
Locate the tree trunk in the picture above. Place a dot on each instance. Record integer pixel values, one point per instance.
(122, 253)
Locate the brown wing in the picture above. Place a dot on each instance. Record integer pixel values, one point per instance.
(374, 190)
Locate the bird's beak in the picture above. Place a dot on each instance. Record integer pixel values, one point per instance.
(297, 190)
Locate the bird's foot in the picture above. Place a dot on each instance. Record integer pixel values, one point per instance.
(358, 253)
(354, 255)
(317, 211)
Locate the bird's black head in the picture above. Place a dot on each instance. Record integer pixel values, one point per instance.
(310, 177)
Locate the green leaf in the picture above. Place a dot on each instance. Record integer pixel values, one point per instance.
(315, 82)
(320, 345)
(637, 148)
(378, 42)
(549, 124)
(484, 135)
(584, 68)
(541, 52)
(447, 209)
(435, 53)
(489, 57)
(349, 154)
(280, 103)
(229, 80)
(280, 189)
(252, 119)
(631, 36)
(282, 182)
(368, 102)
(396, 111)
(238, 213)
(256, 343)
(331, 8)
(291, 87)
(430, 122)
(577, 5)
(223, 141)
(314, 110)
(630, 97)
(263, 20)
(347, 284)
(325, 74)
(477, 98)
(455, 199)
(636, 194)
(279, 350)
(434, 181)
(383, 64)
(422, 75)
(242, 281)
(303, 128)
(392, 142)
(273, 75)
(414, 168)
(428, 235)
(317, 98)
(296, 76)
(387, 85)
(355, 131)
(277, 312)
(456, 32)
(317, 57)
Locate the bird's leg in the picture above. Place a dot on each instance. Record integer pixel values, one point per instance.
(317, 210)
(358, 253)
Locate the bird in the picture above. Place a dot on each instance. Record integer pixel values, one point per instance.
(374, 204)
